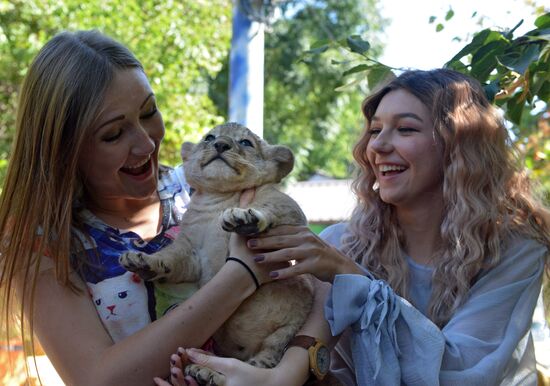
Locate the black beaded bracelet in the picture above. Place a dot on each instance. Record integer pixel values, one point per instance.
(247, 268)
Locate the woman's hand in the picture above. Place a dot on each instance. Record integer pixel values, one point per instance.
(310, 253)
(236, 372)
(177, 378)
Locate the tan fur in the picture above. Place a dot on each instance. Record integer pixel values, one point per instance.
(219, 168)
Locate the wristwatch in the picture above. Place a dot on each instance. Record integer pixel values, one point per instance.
(319, 355)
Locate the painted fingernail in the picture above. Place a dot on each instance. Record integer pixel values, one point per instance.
(273, 274)
(193, 354)
(259, 258)
(252, 243)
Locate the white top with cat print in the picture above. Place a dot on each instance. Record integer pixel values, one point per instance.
(124, 302)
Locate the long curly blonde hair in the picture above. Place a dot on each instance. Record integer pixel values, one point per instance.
(487, 194)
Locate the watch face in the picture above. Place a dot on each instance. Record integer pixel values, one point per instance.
(323, 359)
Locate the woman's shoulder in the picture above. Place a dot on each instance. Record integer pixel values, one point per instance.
(519, 247)
(520, 258)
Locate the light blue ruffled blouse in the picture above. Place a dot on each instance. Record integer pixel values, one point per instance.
(387, 340)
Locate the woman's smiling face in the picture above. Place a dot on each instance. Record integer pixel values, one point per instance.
(403, 151)
(120, 157)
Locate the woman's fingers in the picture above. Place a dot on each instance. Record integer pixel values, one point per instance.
(160, 382)
(221, 365)
(292, 236)
(176, 376)
(286, 230)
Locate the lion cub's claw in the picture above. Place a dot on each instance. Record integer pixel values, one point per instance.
(143, 265)
(205, 376)
(244, 221)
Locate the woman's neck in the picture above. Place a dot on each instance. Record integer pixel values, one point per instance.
(421, 227)
(143, 217)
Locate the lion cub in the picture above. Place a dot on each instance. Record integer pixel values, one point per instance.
(231, 158)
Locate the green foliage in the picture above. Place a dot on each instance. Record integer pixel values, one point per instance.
(302, 108)
(179, 50)
(515, 72)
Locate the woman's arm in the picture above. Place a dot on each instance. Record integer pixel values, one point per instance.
(486, 342)
(69, 329)
(294, 366)
(292, 370)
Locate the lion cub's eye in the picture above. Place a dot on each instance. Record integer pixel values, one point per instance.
(246, 142)
(209, 138)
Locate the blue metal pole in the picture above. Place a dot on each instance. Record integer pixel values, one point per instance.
(246, 72)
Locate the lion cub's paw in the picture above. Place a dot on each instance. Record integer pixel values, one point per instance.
(144, 265)
(205, 376)
(244, 221)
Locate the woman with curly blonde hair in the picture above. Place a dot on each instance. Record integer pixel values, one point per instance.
(447, 243)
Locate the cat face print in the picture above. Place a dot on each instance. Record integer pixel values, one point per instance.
(121, 303)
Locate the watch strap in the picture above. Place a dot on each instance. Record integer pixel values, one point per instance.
(303, 341)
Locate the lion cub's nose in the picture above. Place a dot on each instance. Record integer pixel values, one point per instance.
(222, 146)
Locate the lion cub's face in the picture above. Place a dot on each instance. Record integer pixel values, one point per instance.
(231, 158)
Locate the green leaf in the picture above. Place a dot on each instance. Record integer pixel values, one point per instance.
(483, 37)
(509, 34)
(357, 44)
(320, 43)
(348, 85)
(379, 74)
(514, 108)
(457, 65)
(339, 62)
(356, 69)
(519, 62)
(432, 19)
(318, 50)
(484, 59)
(537, 79)
(491, 90)
(543, 21)
(449, 15)
(439, 27)
(544, 91)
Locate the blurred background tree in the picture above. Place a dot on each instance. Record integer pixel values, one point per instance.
(181, 45)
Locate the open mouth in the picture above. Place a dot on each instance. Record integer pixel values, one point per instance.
(390, 170)
(138, 169)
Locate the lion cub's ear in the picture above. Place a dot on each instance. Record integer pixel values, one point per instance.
(186, 149)
(284, 160)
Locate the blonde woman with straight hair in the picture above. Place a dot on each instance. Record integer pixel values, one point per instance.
(84, 185)
(436, 275)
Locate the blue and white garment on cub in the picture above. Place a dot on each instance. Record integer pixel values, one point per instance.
(124, 302)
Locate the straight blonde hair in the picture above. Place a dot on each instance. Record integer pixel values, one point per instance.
(59, 102)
